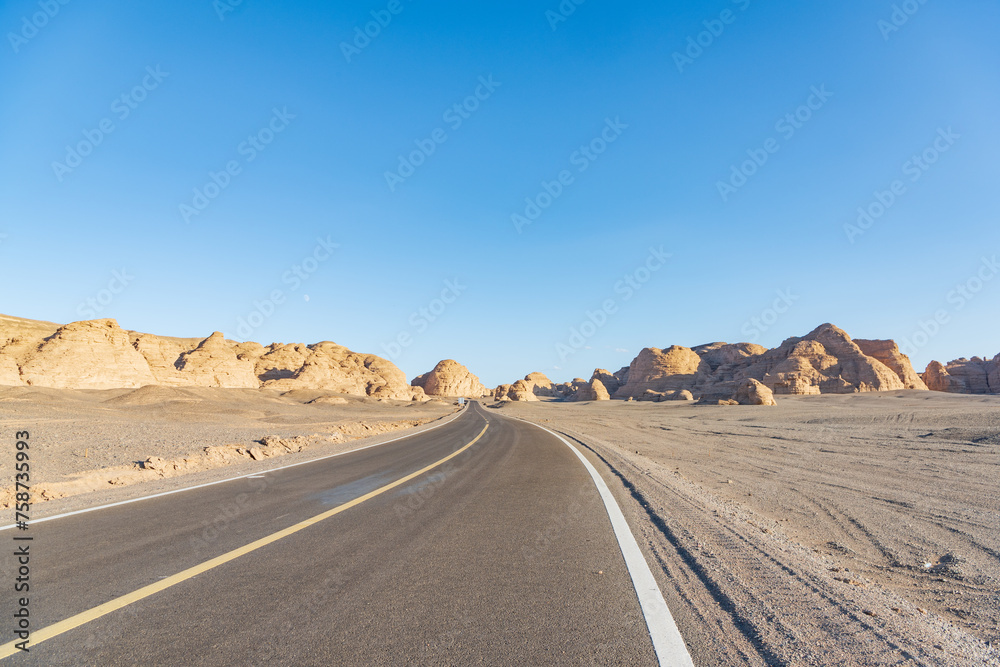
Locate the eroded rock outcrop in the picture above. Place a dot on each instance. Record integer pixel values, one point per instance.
(450, 379)
(592, 391)
(964, 376)
(541, 384)
(522, 390)
(568, 389)
(726, 362)
(888, 353)
(609, 380)
(162, 355)
(214, 364)
(281, 362)
(752, 392)
(335, 368)
(658, 371)
(95, 354)
(98, 354)
(824, 361)
(10, 374)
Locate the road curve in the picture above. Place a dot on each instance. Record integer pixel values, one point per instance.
(501, 554)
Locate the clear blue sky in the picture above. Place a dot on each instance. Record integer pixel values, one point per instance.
(553, 90)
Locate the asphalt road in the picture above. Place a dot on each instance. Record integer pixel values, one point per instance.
(502, 555)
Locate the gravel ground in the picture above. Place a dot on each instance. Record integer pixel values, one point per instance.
(77, 435)
(859, 529)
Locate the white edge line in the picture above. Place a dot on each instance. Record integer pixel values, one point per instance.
(667, 641)
(446, 420)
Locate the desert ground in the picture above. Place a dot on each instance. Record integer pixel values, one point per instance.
(775, 522)
(87, 443)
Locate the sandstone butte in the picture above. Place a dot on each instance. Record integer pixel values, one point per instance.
(522, 390)
(450, 379)
(98, 354)
(965, 376)
(824, 361)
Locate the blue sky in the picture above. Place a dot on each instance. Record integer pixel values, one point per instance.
(618, 100)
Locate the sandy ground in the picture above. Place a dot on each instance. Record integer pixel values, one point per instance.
(858, 530)
(85, 442)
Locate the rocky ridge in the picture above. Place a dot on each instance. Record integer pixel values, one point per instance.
(826, 360)
(99, 354)
(964, 376)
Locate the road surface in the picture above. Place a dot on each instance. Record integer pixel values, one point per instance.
(502, 554)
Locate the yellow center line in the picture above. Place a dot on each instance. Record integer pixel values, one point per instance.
(76, 621)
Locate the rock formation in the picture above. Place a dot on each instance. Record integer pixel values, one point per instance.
(522, 390)
(824, 361)
(726, 361)
(281, 362)
(752, 392)
(658, 371)
(450, 379)
(98, 354)
(10, 374)
(162, 355)
(591, 391)
(610, 381)
(888, 353)
(965, 376)
(335, 368)
(568, 389)
(541, 384)
(86, 355)
(214, 364)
